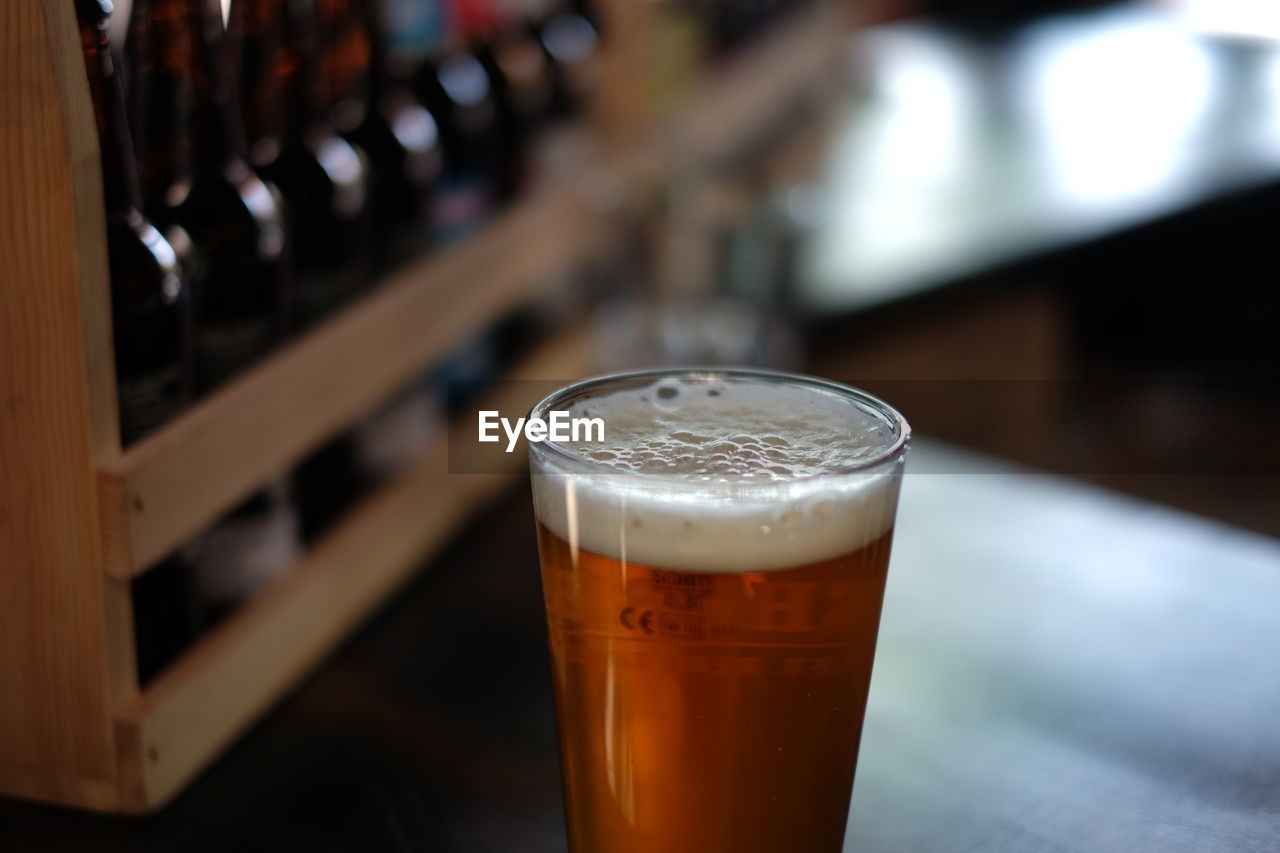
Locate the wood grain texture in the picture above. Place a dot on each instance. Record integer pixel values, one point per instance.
(122, 656)
(54, 720)
(178, 480)
(113, 520)
(89, 240)
(194, 709)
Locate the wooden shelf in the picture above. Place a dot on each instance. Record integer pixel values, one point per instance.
(79, 519)
(746, 97)
(196, 707)
(173, 484)
(753, 90)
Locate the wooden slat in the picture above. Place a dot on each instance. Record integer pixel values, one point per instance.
(122, 656)
(741, 101)
(113, 520)
(754, 90)
(192, 711)
(177, 481)
(90, 240)
(54, 720)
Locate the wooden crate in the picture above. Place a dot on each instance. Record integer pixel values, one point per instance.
(80, 517)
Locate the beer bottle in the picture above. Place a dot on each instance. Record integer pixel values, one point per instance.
(521, 71)
(194, 174)
(376, 111)
(244, 551)
(413, 29)
(571, 41)
(324, 179)
(453, 84)
(150, 293)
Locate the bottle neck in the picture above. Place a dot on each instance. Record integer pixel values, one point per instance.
(274, 49)
(256, 34)
(368, 16)
(411, 32)
(346, 52)
(305, 94)
(119, 171)
(185, 107)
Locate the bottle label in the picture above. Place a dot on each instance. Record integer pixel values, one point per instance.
(148, 400)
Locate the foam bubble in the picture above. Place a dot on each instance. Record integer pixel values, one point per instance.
(702, 475)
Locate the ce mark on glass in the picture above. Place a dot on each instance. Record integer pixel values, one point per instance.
(633, 622)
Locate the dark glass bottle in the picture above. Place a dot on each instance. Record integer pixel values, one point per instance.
(454, 85)
(242, 553)
(377, 112)
(522, 77)
(572, 42)
(324, 179)
(150, 291)
(191, 162)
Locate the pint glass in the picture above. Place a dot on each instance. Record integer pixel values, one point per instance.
(713, 570)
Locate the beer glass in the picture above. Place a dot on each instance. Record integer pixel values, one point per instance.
(713, 571)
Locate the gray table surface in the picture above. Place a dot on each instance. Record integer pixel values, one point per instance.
(1061, 668)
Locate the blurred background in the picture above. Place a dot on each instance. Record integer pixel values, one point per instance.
(1044, 229)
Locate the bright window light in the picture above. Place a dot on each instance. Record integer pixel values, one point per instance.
(1256, 18)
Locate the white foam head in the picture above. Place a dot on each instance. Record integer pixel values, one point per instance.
(722, 472)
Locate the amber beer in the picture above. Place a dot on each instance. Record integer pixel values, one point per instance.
(713, 574)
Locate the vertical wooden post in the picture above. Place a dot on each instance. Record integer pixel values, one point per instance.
(56, 417)
(623, 103)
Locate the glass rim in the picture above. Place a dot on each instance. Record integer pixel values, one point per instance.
(865, 400)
